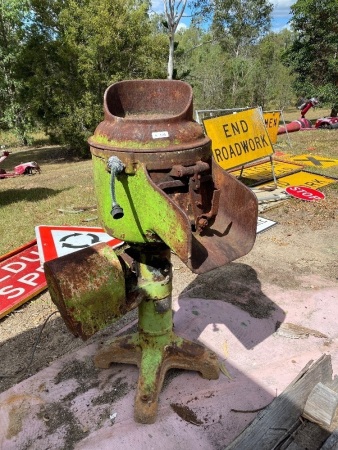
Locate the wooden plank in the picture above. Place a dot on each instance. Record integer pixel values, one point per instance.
(333, 384)
(308, 436)
(332, 442)
(294, 446)
(274, 424)
(321, 405)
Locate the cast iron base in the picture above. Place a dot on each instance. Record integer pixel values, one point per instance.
(155, 355)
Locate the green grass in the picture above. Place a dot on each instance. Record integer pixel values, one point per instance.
(315, 142)
(313, 114)
(27, 201)
(9, 140)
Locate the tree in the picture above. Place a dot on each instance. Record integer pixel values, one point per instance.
(74, 50)
(173, 13)
(262, 79)
(270, 80)
(313, 54)
(206, 65)
(13, 16)
(238, 25)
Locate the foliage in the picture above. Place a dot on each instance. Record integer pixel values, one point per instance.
(270, 79)
(312, 56)
(239, 23)
(224, 74)
(57, 57)
(222, 81)
(13, 16)
(73, 50)
(195, 56)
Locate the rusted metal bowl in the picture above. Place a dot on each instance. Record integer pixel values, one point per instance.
(150, 121)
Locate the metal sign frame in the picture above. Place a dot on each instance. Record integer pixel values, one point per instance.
(284, 124)
(206, 113)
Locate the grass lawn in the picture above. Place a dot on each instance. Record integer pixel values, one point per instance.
(27, 201)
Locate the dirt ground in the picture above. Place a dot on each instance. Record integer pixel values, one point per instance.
(300, 249)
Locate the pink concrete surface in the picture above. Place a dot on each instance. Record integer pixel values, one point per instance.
(48, 411)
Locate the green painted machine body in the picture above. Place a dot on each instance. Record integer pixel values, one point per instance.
(88, 287)
(149, 215)
(155, 348)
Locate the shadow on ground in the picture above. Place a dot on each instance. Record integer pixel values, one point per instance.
(238, 285)
(9, 196)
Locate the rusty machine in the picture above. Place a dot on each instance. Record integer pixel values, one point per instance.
(159, 190)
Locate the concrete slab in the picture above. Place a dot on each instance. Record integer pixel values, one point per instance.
(73, 405)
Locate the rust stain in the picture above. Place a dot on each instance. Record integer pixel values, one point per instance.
(19, 406)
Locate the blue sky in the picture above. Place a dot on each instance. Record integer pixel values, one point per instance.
(280, 14)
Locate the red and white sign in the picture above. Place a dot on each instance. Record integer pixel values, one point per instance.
(21, 277)
(305, 193)
(21, 273)
(54, 241)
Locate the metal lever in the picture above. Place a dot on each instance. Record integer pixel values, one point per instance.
(116, 166)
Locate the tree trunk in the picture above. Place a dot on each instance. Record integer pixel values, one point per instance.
(171, 57)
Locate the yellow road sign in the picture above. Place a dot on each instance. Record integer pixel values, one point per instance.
(263, 172)
(271, 120)
(238, 138)
(313, 160)
(304, 179)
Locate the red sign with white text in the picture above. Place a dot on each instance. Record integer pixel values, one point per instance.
(305, 193)
(21, 277)
(21, 271)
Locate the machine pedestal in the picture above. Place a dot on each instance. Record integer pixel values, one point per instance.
(155, 355)
(155, 348)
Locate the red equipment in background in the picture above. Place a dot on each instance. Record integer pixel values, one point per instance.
(29, 168)
(302, 123)
(328, 123)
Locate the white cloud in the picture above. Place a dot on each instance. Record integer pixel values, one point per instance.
(157, 6)
(282, 8)
(182, 26)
